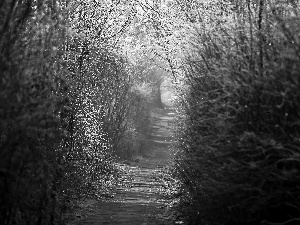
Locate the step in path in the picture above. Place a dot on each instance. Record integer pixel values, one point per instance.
(141, 196)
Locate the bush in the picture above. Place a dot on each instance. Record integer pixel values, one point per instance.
(134, 140)
(59, 111)
(31, 99)
(238, 158)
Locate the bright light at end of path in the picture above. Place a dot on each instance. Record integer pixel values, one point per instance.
(166, 94)
(166, 98)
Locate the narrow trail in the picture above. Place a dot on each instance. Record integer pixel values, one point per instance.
(141, 195)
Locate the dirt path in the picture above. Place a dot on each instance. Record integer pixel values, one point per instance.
(141, 195)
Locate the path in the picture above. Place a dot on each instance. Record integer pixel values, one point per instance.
(140, 197)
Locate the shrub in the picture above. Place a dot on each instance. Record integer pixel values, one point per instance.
(133, 142)
(56, 97)
(31, 99)
(239, 147)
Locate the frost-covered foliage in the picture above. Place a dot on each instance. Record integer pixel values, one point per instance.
(64, 102)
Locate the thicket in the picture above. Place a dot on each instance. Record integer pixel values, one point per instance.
(66, 105)
(239, 140)
(144, 97)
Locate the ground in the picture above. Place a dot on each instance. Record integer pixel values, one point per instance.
(143, 194)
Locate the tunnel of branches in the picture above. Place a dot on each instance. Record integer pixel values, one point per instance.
(197, 99)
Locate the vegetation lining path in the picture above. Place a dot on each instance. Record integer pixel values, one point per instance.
(141, 195)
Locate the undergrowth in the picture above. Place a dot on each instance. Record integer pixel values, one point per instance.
(239, 146)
